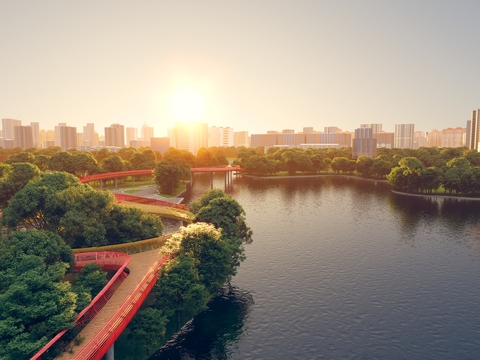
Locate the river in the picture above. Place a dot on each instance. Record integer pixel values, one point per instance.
(343, 269)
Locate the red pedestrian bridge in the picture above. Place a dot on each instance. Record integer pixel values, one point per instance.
(102, 322)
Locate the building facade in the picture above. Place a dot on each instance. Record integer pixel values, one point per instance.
(403, 136)
(115, 135)
(364, 144)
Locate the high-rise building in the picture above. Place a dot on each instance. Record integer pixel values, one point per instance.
(308, 130)
(450, 137)
(65, 136)
(147, 132)
(220, 136)
(384, 139)
(376, 128)
(132, 135)
(90, 137)
(419, 139)
(23, 137)
(189, 136)
(240, 138)
(7, 126)
(46, 138)
(473, 133)
(331, 130)
(364, 144)
(35, 133)
(115, 135)
(403, 136)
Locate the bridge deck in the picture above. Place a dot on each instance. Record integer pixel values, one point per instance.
(138, 267)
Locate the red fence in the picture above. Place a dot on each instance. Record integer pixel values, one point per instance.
(108, 334)
(110, 261)
(149, 201)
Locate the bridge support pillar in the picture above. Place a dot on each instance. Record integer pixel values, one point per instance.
(211, 180)
(101, 184)
(110, 355)
(133, 180)
(115, 183)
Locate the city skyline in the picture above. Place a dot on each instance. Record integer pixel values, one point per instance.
(250, 66)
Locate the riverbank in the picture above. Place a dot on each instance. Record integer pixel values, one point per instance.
(450, 197)
(312, 176)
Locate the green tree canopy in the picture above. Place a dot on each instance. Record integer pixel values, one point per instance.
(84, 217)
(13, 178)
(168, 175)
(34, 304)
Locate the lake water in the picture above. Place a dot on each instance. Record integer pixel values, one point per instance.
(343, 269)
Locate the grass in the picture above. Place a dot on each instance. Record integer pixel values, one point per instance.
(131, 191)
(121, 184)
(178, 190)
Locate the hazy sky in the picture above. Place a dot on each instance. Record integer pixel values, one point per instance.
(257, 65)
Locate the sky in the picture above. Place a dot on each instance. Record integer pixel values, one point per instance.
(251, 65)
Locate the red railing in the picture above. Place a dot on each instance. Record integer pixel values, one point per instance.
(110, 261)
(111, 330)
(149, 201)
(113, 175)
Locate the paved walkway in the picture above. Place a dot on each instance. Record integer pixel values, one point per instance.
(138, 267)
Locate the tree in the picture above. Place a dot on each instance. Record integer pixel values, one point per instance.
(13, 178)
(144, 160)
(364, 166)
(85, 164)
(168, 175)
(209, 251)
(407, 175)
(179, 287)
(84, 217)
(63, 161)
(341, 164)
(205, 199)
(102, 154)
(114, 164)
(34, 303)
(23, 157)
(226, 214)
(42, 162)
(259, 165)
(179, 157)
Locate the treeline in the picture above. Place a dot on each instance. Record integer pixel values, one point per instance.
(425, 170)
(81, 163)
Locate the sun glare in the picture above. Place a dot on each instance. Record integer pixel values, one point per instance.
(188, 105)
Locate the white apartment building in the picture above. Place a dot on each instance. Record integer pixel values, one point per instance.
(403, 136)
(220, 136)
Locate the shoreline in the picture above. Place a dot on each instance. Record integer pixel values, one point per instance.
(451, 197)
(313, 176)
(435, 196)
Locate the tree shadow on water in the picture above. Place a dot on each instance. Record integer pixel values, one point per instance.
(210, 334)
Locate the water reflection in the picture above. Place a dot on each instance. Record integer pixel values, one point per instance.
(210, 334)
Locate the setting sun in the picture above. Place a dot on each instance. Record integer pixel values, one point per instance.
(188, 105)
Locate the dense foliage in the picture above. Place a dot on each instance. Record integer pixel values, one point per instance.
(204, 256)
(34, 303)
(82, 216)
